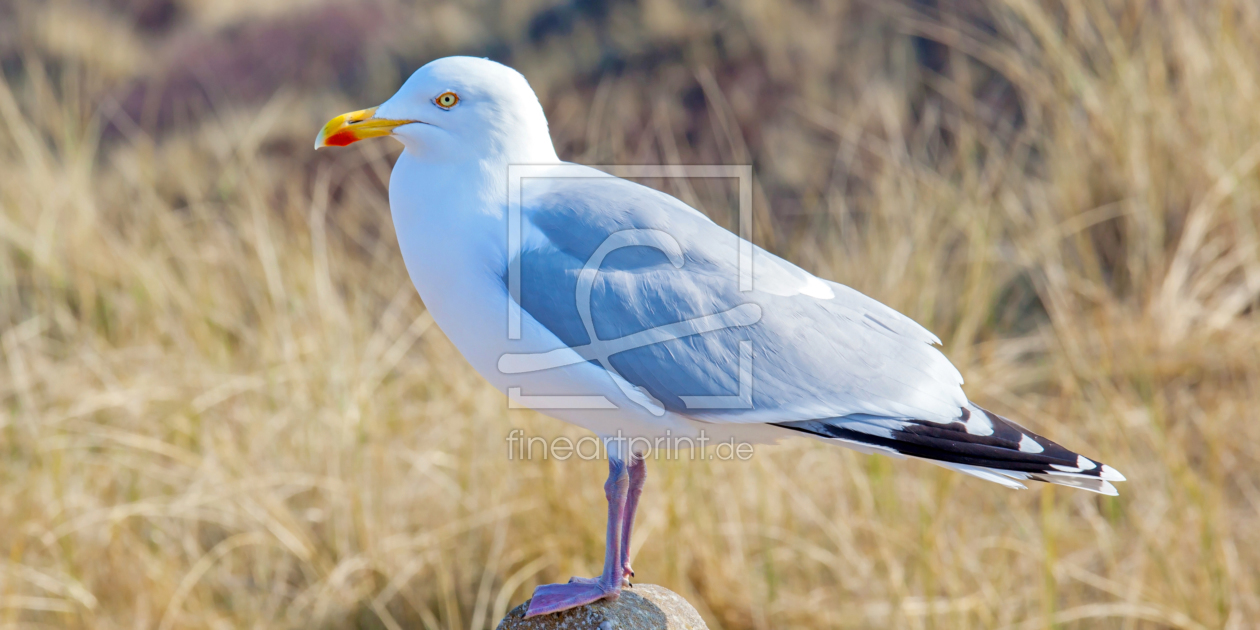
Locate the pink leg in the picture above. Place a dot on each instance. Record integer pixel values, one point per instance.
(550, 598)
(638, 474)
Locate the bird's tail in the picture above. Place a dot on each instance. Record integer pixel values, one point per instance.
(979, 443)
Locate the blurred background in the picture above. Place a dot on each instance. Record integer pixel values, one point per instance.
(222, 404)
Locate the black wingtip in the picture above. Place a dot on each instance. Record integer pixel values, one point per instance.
(992, 443)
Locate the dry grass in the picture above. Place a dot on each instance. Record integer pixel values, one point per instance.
(222, 405)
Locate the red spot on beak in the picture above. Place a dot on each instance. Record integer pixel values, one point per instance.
(342, 138)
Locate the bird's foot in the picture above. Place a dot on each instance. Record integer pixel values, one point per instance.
(552, 598)
(626, 574)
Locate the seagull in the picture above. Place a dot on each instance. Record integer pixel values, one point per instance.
(621, 309)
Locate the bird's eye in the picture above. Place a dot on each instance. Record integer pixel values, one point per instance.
(447, 100)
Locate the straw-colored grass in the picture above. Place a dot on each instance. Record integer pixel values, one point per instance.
(223, 406)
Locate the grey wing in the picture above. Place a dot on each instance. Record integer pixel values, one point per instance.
(648, 288)
(662, 285)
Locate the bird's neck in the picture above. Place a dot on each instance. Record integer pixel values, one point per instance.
(478, 182)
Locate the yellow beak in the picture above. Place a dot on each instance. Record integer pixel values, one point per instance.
(350, 128)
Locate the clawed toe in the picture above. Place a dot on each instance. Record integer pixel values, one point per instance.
(552, 598)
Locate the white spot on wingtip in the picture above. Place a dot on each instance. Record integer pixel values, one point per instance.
(817, 289)
(1067, 469)
(979, 425)
(1029, 445)
(1085, 463)
(1111, 474)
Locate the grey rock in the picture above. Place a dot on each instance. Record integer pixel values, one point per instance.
(643, 607)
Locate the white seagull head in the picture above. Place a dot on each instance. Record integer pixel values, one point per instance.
(455, 109)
